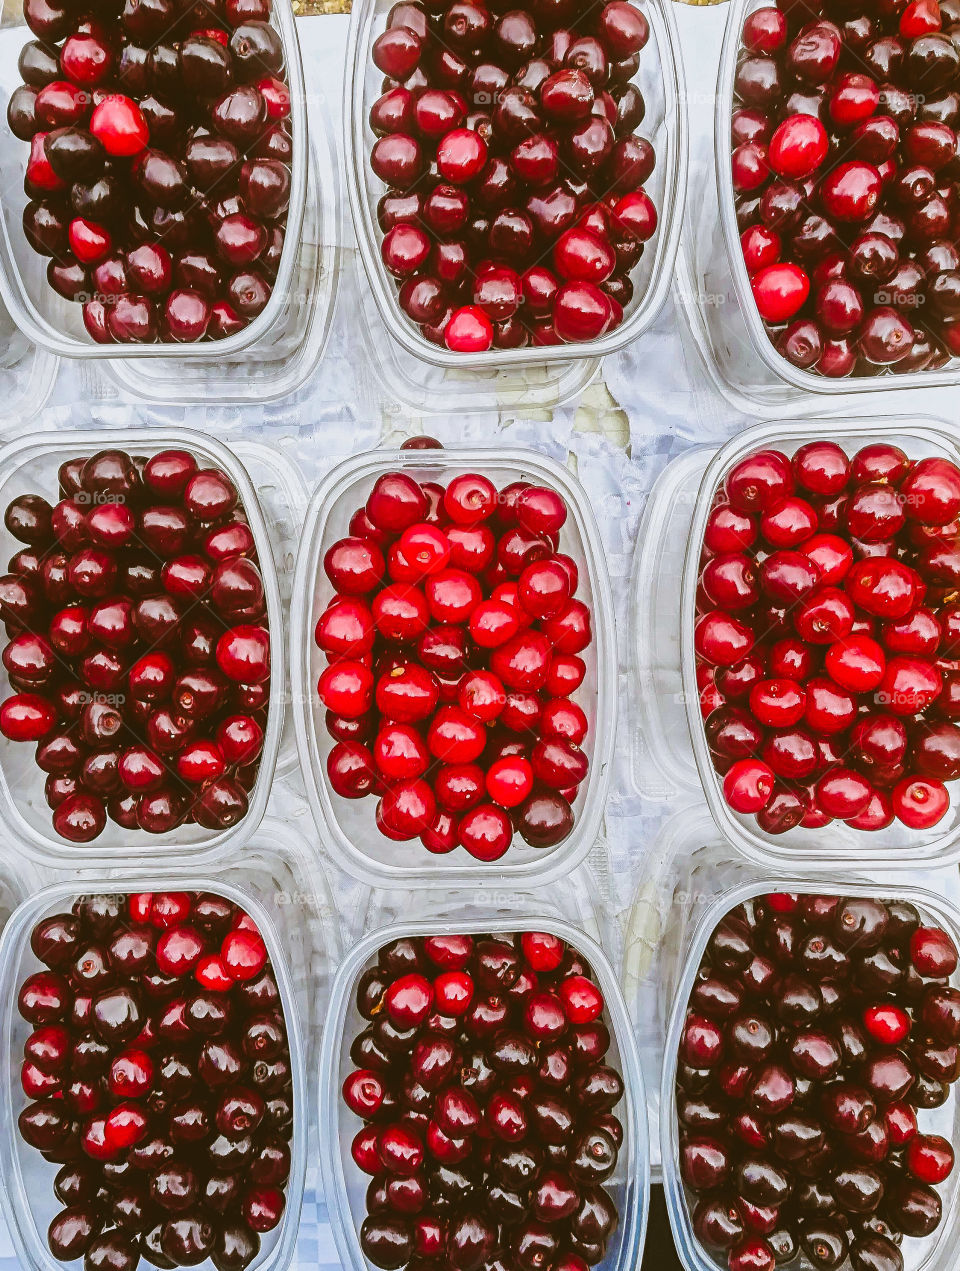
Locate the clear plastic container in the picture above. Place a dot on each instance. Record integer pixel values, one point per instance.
(934, 1253)
(279, 868)
(30, 467)
(29, 1203)
(289, 354)
(18, 880)
(576, 902)
(283, 497)
(722, 315)
(660, 79)
(681, 872)
(27, 377)
(348, 826)
(344, 1184)
(663, 761)
(836, 845)
(56, 324)
(411, 384)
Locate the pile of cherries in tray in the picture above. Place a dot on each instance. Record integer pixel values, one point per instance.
(159, 1078)
(159, 167)
(817, 1029)
(516, 209)
(453, 643)
(138, 647)
(488, 1103)
(845, 169)
(828, 637)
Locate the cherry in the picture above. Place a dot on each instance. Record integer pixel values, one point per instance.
(722, 639)
(396, 52)
(929, 1158)
(761, 247)
(931, 492)
(856, 663)
(888, 1025)
(798, 147)
(748, 785)
(119, 126)
(884, 588)
(408, 1001)
(909, 685)
(509, 781)
(932, 952)
(780, 291)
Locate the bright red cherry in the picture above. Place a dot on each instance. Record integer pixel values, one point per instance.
(798, 147)
(780, 291)
(582, 1000)
(887, 1024)
(856, 663)
(118, 124)
(469, 331)
(930, 1159)
(748, 785)
(761, 247)
(461, 155)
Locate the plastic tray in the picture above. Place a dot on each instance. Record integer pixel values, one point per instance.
(56, 324)
(283, 497)
(347, 827)
(27, 377)
(678, 513)
(663, 759)
(27, 1194)
(411, 384)
(31, 467)
(18, 880)
(935, 1252)
(344, 1184)
(660, 79)
(723, 315)
(285, 359)
(681, 873)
